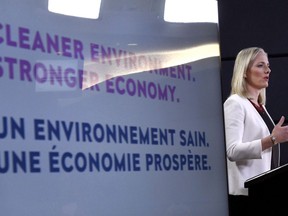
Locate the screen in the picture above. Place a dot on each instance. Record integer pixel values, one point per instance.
(120, 115)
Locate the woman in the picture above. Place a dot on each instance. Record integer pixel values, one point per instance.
(250, 131)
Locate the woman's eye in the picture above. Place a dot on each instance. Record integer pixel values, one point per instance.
(263, 66)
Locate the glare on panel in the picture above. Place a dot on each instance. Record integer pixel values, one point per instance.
(78, 8)
(191, 11)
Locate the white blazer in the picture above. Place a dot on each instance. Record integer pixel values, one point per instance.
(244, 129)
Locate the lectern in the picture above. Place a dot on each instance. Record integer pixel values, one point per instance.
(269, 192)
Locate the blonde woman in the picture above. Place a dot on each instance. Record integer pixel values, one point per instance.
(249, 129)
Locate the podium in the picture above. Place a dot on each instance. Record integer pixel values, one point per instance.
(268, 192)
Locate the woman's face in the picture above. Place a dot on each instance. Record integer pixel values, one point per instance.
(257, 76)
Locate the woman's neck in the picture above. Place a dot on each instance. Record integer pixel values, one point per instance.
(253, 94)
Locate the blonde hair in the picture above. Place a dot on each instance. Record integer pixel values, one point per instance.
(244, 60)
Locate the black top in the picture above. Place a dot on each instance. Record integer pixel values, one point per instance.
(275, 150)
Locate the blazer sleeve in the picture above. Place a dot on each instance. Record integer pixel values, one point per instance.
(244, 130)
